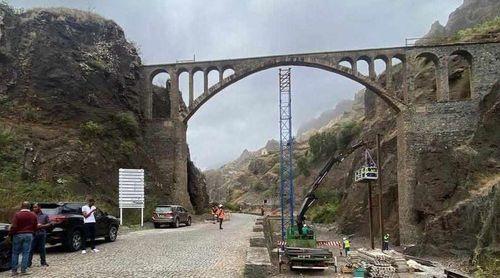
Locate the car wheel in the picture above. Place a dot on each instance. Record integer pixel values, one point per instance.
(176, 224)
(112, 233)
(188, 223)
(157, 225)
(74, 241)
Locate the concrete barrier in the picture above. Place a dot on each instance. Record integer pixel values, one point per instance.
(258, 228)
(259, 221)
(258, 262)
(258, 240)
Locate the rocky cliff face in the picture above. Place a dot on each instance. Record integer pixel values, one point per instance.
(470, 13)
(70, 112)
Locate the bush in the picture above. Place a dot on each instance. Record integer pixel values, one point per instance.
(232, 206)
(326, 209)
(303, 166)
(127, 124)
(30, 114)
(127, 147)
(6, 138)
(488, 266)
(258, 186)
(322, 144)
(488, 27)
(347, 134)
(92, 129)
(324, 213)
(326, 143)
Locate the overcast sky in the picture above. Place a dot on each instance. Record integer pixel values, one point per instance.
(245, 115)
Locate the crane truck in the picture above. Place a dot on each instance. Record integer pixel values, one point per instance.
(300, 249)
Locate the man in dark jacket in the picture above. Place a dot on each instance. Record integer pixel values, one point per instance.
(24, 224)
(40, 237)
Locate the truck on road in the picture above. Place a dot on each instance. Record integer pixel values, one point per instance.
(300, 249)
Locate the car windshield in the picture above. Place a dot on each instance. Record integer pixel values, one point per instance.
(163, 209)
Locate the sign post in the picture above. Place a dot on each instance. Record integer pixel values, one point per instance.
(131, 191)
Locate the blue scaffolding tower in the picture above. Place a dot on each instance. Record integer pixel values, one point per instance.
(286, 152)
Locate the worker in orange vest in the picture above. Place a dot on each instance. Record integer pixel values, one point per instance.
(220, 215)
(214, 213)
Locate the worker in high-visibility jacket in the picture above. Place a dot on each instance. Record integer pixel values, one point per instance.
(215, 210)
(347, 245)
(220, 215)
(385, 245)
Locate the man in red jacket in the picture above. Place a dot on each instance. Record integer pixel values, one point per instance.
(23, 226)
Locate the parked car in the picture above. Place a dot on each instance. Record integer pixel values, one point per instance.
(68, 224)
(171, 215)
(5, 247)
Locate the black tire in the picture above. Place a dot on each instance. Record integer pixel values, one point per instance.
(74, 241)
(176, 223)
(112, 233)
(156, 225)
(188, 223)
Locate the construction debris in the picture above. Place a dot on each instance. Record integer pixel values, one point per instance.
(375, 262)
(428, 271)
(378, 263)
(390, 263)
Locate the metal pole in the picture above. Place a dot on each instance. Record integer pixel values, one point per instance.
(121, 216)
(370, 216)
(142, 217)
(380, 197)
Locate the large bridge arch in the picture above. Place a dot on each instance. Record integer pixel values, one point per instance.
(241, 73)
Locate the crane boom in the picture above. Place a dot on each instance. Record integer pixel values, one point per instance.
(310, 197)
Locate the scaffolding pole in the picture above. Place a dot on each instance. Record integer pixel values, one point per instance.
(286, 151)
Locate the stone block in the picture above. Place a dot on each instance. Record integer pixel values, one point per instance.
(258, 228)
(258, 263)
(258, 241)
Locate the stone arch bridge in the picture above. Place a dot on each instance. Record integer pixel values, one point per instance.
(444, 120)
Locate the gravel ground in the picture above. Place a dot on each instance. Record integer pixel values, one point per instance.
(201, 250)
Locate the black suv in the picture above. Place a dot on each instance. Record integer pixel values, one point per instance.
(68, 224)
(5, 248)
(171, 215)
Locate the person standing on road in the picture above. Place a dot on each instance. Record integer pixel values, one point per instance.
(220, 215)
(38, 243)
(346, 245)
(24, 224)
(89, 225)
(386, 242)
(214, 213)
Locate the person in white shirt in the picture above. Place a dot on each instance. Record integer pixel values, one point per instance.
(89, 227)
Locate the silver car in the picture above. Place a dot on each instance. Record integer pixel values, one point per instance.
(171, 215)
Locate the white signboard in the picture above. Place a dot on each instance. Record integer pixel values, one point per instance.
(131, 190)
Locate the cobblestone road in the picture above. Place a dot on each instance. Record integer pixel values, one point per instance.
(201, 250)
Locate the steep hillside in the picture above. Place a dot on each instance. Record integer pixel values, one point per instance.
(313, 125)
(70, 111)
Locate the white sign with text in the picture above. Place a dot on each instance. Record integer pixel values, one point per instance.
(131, 190)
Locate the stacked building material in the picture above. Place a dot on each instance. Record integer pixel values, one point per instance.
(378, 263)
(399, 261)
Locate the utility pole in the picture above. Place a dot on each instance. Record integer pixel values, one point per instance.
(370, 214)
(380, 216)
